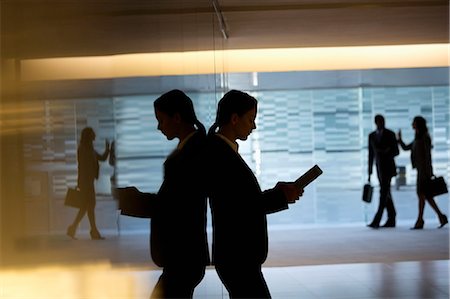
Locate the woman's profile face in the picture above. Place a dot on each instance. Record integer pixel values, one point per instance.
(166, 124)
(245, 124)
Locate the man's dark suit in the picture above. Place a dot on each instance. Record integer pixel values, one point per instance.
(382, 150)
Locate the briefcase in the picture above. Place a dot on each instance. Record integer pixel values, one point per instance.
(437, 186)
(74, 198)
(367, 193)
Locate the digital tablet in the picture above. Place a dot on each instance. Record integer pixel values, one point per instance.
(135, 203)
(309, 176)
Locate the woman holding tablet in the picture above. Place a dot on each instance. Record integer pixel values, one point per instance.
(238, 205)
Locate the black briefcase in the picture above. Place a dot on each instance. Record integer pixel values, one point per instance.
(437, 186)
(367, 193)
(74, 198)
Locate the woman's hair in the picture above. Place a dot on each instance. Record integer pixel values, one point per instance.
(234, 101)
(420, 124)
(176, 101)
(87, 136)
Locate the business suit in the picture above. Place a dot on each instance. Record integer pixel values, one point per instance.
(239, 208)
(178, 240)
(382, 150)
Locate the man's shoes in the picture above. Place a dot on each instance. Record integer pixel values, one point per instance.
(389, 223)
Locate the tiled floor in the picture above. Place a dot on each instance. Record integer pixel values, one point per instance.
(316, 265)
(402, 280)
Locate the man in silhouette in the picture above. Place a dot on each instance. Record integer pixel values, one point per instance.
(382, 149)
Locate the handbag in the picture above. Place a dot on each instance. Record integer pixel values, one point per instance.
(437, 186)
(367, 193)
(74, 198)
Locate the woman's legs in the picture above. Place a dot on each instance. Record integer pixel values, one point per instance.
(420, 185)
(419, 222)
(442, 218)
(435, 207)
(80, 215)
(91, 217)
(243, 281)
(178, 281)
(72, 229)
(95, 234)
(422, 191)
(88, 193)
(421, 207)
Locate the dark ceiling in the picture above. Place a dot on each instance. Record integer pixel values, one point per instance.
(59, 28)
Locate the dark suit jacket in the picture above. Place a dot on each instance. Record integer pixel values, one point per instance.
(178, 211)
(382, 152)
(238, 207)
(178, 229)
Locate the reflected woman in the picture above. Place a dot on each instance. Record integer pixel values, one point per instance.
(88, 171)
(178, 237)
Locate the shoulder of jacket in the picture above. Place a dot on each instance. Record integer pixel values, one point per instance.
(212, 139)
(389, 131)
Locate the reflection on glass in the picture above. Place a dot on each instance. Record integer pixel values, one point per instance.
(297, 128)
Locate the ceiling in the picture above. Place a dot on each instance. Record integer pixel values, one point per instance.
(68, 28)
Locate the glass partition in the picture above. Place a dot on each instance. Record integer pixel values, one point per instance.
(296, 128)
(50, 96)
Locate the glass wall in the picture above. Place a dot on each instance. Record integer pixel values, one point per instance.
(305, 122)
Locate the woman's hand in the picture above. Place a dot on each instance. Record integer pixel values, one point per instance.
(399, 135)
(290, 190)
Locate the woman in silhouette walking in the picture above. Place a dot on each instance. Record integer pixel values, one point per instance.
(238, 205)
(88, 171)
(421, 160)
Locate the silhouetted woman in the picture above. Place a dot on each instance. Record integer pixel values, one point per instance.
(238, 205)
(88, 171)
(421, 160)
(178, 239)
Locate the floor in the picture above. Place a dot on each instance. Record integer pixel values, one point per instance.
(304, 262)
(401, 280)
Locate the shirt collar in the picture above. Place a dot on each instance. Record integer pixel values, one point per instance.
(233, 145)
(182, 143)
